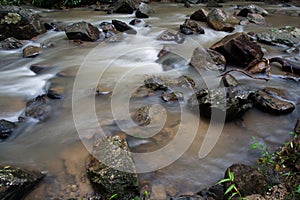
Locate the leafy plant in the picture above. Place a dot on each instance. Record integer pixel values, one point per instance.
(10, 2)
(266, 156)
(113, 196)
(231, 188)
(56, 3)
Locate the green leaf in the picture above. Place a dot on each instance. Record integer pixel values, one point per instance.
(113, 196)
(233, 194)
(231, 175)
(222, 181)
(298, 189)
(229, 189)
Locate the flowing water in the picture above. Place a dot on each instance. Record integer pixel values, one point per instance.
(55, 147)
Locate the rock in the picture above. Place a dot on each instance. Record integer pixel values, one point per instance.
(287, 65)
(49, 26)
(278, 192)
(56, 92)
(124, 6)
(143, 11)
(256, 19)
(142, 116)
(202, 60)
(229, 81)
(297, 127)
(107, 27)
(123, 27)
(272, 104)
(286, 36)
(239, 50)
(191, 27)
(187, 4)
(108, 180)
(155, 83)
(6, 128)
(213, 192)
(31, 51)
(100, 90)
(137, 22)
(199, 15)
(193, 1)
(252, 9)
(170, 35)
(15, 182)
(258, 68)
(213, 3)
(38, 108)
(82, 31)
(172, 96)
(19, 23)
(218, 59)
(247, 179)
(40, 68)
(221, 20)
(11, 43)
(234, 102)
(158, 192)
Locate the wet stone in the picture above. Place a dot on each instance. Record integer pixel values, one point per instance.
(40, 68)
(172, 96)
(123, 27)
(31, 51)
(221, 20)
(273, 105)
(6, 128)
(56, 92)
(15, 182)
(170, 35)
(191, 27)
(229, 81)
(38, 108)
(199, 15)
(142, 116)
(83, 31)
(11, 43)
(256, 19)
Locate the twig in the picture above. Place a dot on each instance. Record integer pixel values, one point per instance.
(246, 73)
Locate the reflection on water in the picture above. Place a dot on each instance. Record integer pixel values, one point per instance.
(55, 147)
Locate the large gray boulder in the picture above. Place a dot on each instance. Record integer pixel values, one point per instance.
(19, 23)
(124, 6)
(82, 31)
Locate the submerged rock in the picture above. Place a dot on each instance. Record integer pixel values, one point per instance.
(202, 60)
(82, 31)
(170, 35)
(11, 43)
(15, 182)
(239, 50)
(143, 11)
(272, 104)
(252, 9)
(229, 81)
(107, 180)
(40, 68)
(199, 15)
(247, 179)
(256, 19)
(142, 116)
(31, 51)
(19, 23)
(123, 27)
(191, 27)
(38, 108)
(6, 128)
(221, 20)
(287, 36)
(124, 6)
(234, 102)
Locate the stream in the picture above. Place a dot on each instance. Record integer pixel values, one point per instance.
(60, 145)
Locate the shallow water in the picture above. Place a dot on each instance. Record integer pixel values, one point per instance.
(55, 147)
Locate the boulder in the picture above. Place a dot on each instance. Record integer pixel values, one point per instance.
(229, 81)
(247, 179)
(11, 43)
(107, 180)
(239, 50)
(199, 15)
(155, 83)
(256, 18)
(233, 102)
(272, 104)
(213, 3)
(15, 182)
(218, 59)
(221, 20)
(137, 22)
(123, 27)
(20, 23)
(82, 31)
(56, 92)
(124, 6)
(40, 68)
(31, 51)
(191, 27)
(253, 9)
(170, 35)
(38, 108)
(6, 128)
(143, 11)
(286, 36)
(202, 60)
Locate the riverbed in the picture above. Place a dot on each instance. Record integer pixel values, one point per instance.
(60, 145)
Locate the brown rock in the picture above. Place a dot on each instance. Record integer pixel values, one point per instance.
(191, 27)
(39, 68)
(31, 51)
(258, 68)
(256, 19)
(239, 50)
(82, 31)
(199, 15)
(11, 43)
(221, 20)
